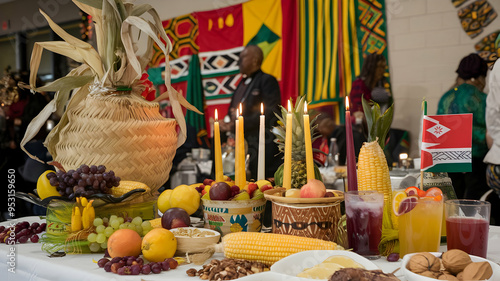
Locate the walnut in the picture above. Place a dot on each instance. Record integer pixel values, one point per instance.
(421, 262)
(478, 271)
(429, 274)
(447, 276)
(455, 260)
(460, 276)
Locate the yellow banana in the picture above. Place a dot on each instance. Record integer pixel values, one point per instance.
(76, 219)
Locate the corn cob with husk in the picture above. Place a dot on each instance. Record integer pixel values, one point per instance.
(373, 171)
(127, 186)
(269, 248)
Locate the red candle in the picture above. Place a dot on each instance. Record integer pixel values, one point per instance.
(352, 179)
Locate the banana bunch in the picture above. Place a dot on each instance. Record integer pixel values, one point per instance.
(82, 215)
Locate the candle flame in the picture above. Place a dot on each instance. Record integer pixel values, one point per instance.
(305, 107)
(347, 103)
(262, 108)
(403, 156)
(241, 110)
(237, 112)
(289, 106)
(216, 116)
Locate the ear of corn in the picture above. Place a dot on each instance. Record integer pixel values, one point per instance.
(269, 248)
(126, 186)
(373, 173)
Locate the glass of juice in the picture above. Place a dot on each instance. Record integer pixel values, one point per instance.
(420, 227)
(468, 222)
(364, 210)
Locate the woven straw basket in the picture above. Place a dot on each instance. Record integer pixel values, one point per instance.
(124, 132)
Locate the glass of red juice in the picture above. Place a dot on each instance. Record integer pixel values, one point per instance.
(467, 224)
(364, 210)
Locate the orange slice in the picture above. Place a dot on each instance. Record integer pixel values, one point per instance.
(412, 191)
(396, 201)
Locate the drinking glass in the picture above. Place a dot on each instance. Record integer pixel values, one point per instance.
(420, 227)
(468, 222)
(364, 211)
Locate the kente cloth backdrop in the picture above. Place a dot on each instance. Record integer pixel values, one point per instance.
(334, 38)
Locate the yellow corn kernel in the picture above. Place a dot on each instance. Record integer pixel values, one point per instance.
(155, 223)
(126, 186)
(269, 248)
(373, 174)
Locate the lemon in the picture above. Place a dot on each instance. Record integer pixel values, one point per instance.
(164, 200)
(185, 197)
(44, 188)
(158, 245)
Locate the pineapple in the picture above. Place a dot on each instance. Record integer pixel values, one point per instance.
(299, 169)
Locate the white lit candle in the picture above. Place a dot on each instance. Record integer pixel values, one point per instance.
(262, 147)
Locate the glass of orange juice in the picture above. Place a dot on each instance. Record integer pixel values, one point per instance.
(420, 224)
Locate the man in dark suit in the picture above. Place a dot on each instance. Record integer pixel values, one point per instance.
(255, 88)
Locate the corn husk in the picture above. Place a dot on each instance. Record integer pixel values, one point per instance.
(107, 122)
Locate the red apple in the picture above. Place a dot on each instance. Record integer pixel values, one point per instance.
(251, 188)
(266, 187)
(313, 189)
(220, 191)
(175, 217)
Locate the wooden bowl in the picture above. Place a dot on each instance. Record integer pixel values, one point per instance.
(194, 244)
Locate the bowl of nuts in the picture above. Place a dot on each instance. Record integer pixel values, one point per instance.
(450, 265)
(194, 240)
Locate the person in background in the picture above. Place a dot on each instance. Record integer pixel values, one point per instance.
(255, 88)
(470, 98)
(492, 158)
(369, 84)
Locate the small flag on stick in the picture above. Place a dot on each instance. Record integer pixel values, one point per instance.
(446, 143)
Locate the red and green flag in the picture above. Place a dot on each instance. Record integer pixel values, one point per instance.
(446, 143)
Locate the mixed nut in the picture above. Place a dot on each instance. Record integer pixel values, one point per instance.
(227, 269)
(452, 265)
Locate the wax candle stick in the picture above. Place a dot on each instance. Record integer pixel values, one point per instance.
(236, 140)
(240, 170)
(219, 173)
(352, 179)
(287, 168)
(308, 144)
(262, 147)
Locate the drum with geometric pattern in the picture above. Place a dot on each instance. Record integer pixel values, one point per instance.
(307, 220)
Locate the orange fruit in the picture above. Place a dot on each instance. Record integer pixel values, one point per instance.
(407, 204)
(158, 245)
(414, 191)
(124, 242)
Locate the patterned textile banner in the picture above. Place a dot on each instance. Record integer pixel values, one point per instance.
(476, 16)
(334, 38)
(329, 52)
(487, 48)
(183, 33)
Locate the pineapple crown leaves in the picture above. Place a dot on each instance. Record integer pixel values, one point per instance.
(298, 143)
(378, 123)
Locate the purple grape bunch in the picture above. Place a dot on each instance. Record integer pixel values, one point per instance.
(84, 181)
(22, 232)
(134, 265)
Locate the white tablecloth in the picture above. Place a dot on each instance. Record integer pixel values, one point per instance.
(31, 263)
